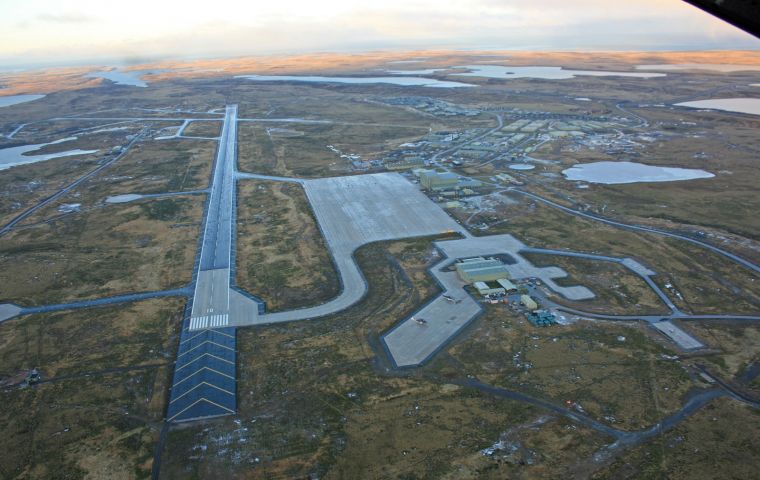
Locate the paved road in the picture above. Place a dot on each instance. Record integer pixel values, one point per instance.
(628, 263)
(138, 119)
(639, 228)
(500, 124)
(521, 268)
(18, 129)
(271, 178)
(623, 438)
(26, 213)
(649, 318)
(130, 297)
(410, 343)
(738, 395)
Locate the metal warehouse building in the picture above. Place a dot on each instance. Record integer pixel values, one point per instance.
(438, 181)
(479, 269)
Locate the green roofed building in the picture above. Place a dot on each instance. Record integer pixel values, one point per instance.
(432, 180)
(506, 285)
(479, 269)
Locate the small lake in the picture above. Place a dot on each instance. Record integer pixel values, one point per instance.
(120, 77)
(16, 99)
(427, 71)
(713, 67)
(550, 73)
(738, 105)
(403, 81)
(629, 172)
(12, 156)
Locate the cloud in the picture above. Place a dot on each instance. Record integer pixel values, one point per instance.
(88, 29)
(64, 18)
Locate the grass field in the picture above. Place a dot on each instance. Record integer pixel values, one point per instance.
(314, 399)
(738, 345)
(318, 399)
(613, 371)
(140, 246)
(303, 150)
(157, 166)
(105, 374)
(617, 289)
(281, 255)
(203, 129)
(717, 442)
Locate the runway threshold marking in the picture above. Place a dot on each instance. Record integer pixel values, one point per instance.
(209, 321)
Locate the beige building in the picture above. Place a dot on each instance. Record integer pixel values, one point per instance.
(528, 302)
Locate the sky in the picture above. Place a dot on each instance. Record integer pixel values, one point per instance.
(59, 32)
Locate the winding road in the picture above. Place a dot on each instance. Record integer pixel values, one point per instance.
(639, 228)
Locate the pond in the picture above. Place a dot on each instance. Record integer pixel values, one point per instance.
(629, 172)
(714, 67)
(738, 105)
(550, 73)
(120, 77)
(16, 99)
(12, 156)
(403, 81)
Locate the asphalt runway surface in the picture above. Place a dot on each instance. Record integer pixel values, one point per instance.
(211, 301)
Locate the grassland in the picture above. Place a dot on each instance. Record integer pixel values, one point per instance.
(617, 289)
(615, 372)
(721, 143)
(311, 397)
(706, 282)
(105, 376)
(738, 345)
(23, 187)
(281, 255)
(203, 129)
(316, 399)
(158, 166)
(302, 150)
(141, 246)
(717, 442)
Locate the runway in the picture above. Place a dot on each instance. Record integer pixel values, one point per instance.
(211, 301)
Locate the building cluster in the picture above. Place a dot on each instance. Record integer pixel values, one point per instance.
(446, 185)
(490, 278)
(432, 106)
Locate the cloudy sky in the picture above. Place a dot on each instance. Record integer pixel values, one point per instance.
(38, 32)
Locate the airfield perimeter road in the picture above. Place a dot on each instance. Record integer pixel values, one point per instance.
(26, 213)
(639, 228)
